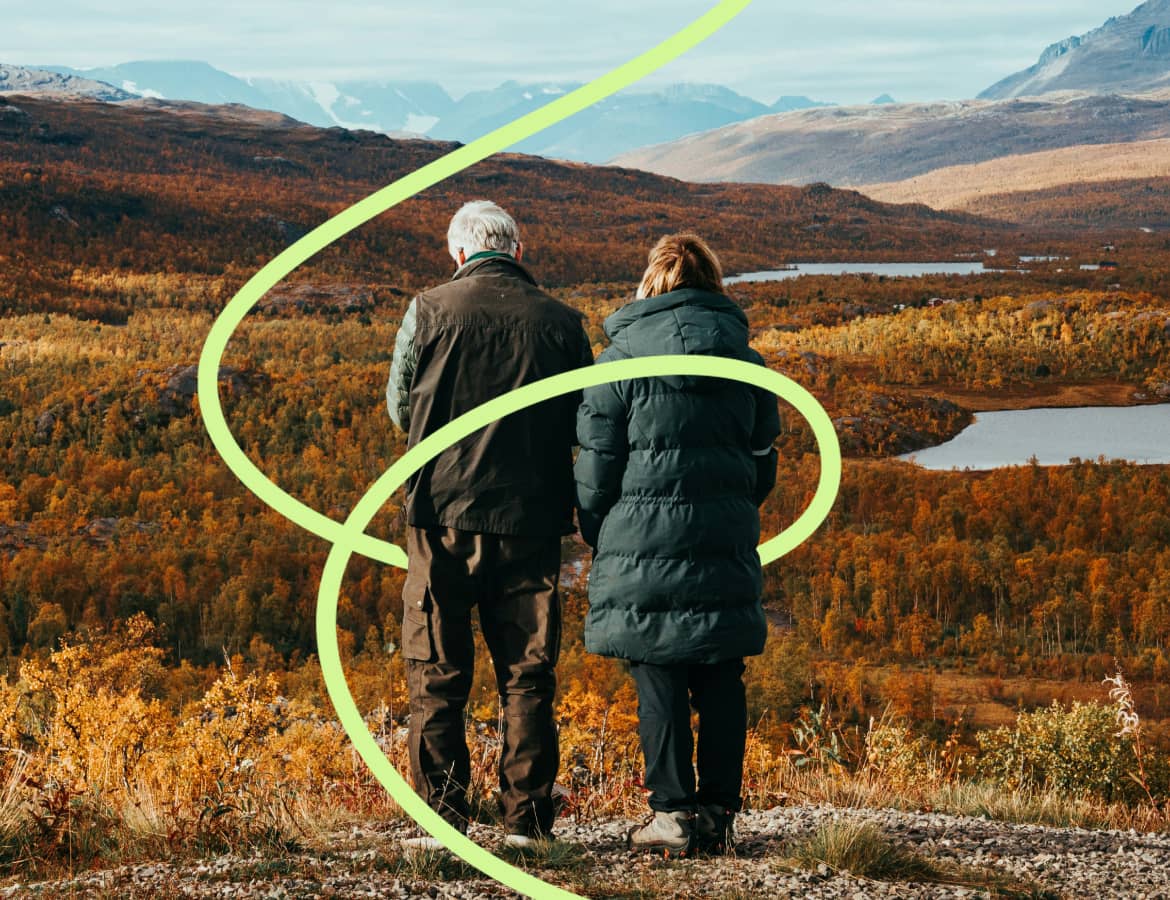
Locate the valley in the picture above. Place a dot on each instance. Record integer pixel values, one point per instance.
(944, 645)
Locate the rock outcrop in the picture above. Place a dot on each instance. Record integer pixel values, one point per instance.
(18, 79)
(1127, 54)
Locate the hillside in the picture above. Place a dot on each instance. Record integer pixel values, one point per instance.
(859, 145)
(997, 187)
(1122, 204)
(1127, 54)
(958, 187)
(220, 190)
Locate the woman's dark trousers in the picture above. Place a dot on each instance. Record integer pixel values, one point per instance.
(665, 697)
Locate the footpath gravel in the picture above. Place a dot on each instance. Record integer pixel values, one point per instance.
(1064, 862)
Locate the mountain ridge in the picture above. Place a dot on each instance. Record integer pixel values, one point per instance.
(615, 125)
(850, 146)
(1129, 53)
(32, 79)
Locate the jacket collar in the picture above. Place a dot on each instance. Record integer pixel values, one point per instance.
(501, 263)
(639, 309)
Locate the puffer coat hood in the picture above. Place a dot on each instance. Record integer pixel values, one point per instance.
(686, 321)
(669, 478)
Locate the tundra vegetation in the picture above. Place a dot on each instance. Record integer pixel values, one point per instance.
(943, 642)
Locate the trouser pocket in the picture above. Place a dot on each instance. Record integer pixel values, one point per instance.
(418, 639)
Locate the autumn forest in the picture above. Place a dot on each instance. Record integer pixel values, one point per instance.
(942, 605)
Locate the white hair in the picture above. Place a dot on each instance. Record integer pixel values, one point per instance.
(481, 225)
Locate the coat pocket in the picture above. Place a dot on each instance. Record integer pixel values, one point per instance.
(418, 642)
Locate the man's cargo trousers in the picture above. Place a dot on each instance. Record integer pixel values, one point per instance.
(513, 581)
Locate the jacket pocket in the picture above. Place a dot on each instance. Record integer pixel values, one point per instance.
(418, 641)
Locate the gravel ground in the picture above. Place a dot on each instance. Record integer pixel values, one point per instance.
(1064, 862)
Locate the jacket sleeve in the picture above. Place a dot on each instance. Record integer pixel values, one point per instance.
(402, 368)
(765, 430)
(584, 360)
(601, 432)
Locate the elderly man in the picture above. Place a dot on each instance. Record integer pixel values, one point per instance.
(486, 517)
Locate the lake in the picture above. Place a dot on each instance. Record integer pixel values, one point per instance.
(1011, 437)
(893, 270)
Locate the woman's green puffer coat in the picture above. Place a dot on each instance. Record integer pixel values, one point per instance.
(669, 478)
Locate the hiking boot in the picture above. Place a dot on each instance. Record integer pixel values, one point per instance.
(668, 834)
(714, 831)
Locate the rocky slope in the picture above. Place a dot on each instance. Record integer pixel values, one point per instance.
(1127, 54)
(19, 79)
(1029, 860)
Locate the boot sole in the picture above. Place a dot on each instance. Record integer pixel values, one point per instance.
(664, 851)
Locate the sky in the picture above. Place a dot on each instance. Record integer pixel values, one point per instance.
(846, 51)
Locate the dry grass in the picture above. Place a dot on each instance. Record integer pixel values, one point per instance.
(962, 187)
(862, 849)
(95, 774)
(982, 799)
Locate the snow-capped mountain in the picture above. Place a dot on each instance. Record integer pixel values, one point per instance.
(375, 105)
(613, 126)
(618, 124)
(386, 106)
(174, 80)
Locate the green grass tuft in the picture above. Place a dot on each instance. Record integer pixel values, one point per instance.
(863, 850)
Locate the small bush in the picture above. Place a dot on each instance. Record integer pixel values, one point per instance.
(1075, 749)
(898, 757)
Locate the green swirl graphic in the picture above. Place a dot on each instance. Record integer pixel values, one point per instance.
(375, 204)
(349, 537)
(418, 455)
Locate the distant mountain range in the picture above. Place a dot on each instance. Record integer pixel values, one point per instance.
(618, 124)
(1108, 87)
(1062, 129)
(1128, 54)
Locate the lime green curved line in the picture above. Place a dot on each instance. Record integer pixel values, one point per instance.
(349, 537)
(643, 367)
(536, 392)
(364, 210)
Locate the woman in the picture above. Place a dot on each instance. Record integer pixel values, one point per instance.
(669, 479)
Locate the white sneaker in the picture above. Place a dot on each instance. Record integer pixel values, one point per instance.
(424, 843)
(520, 841)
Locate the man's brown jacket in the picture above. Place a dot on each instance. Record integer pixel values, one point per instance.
(484, 333)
